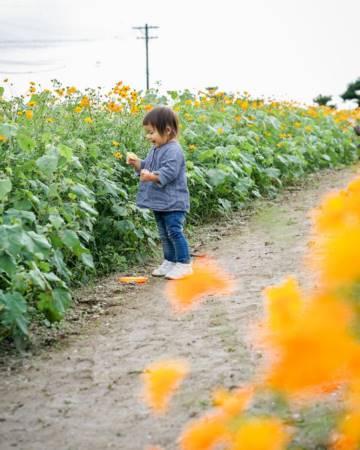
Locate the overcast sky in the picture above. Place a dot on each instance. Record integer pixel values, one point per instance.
(292, 49)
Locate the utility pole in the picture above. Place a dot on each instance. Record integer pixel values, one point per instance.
(146, 29)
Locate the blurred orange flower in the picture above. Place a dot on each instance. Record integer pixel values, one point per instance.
(261, 434)
(339, 259)
(315, 350)
(284, 303)
(207, 279)
(205, 434)
(232, 403)
(348, 434)
(161, 380)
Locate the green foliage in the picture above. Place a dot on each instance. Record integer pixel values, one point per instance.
(67, 198)
(323, 100)
(352, 92)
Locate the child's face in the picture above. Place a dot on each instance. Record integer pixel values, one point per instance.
(153, 135)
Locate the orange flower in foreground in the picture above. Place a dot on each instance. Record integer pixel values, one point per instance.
(338, 209)
(337, 236)
(205, 434)
(261, 434)
(317, 351)
(348, 437)
(340, 257)
(284, 304)
(233, 403)
(161, 380)
(207, 279)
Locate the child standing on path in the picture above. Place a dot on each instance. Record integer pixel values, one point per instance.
(163, 189)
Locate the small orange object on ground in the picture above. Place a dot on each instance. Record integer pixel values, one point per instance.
(133, 280)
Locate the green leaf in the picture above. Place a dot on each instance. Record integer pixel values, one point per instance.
(207, 155)
(20, 214)
(48, 164)
(8, 129)
(11, 238)
(54, 304)
(281, 158)
(22, 203)
(82, 191)
(110, 187)
(66, 152)
(216, 176)
(119, 211)
(225, 204)
(87, 259)
(14, 314)
(26, 143)
(80, 144)
(326, 157)
(86, 207)
(40, 241)
(272, 172)
(56, 220)
(58, 260)
(7, 264)
(50, 276)
(46, 305)
(62, 299)
(37, 277)
(5, 187)
(71, 240)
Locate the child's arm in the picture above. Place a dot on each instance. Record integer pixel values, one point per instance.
(145, 175)
(170, 166)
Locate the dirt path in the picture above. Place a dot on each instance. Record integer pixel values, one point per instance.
(85, 396)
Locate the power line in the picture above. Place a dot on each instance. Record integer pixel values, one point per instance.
(146, 29)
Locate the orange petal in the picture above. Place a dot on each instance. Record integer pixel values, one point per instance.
(161, 380)
(207, 279)
(204, 434)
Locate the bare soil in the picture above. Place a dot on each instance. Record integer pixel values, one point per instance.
(83, 393)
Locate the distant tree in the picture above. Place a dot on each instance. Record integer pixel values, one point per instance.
(323, 100)
(352, 92)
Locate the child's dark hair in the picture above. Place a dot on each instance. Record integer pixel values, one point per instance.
(162, 117)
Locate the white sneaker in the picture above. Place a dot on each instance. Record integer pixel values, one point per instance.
(178, 271)
(163, 269)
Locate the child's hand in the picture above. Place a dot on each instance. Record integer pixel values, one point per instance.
(145, 175)
(132, 158)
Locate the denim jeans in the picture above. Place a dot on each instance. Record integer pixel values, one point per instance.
(170, 226)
